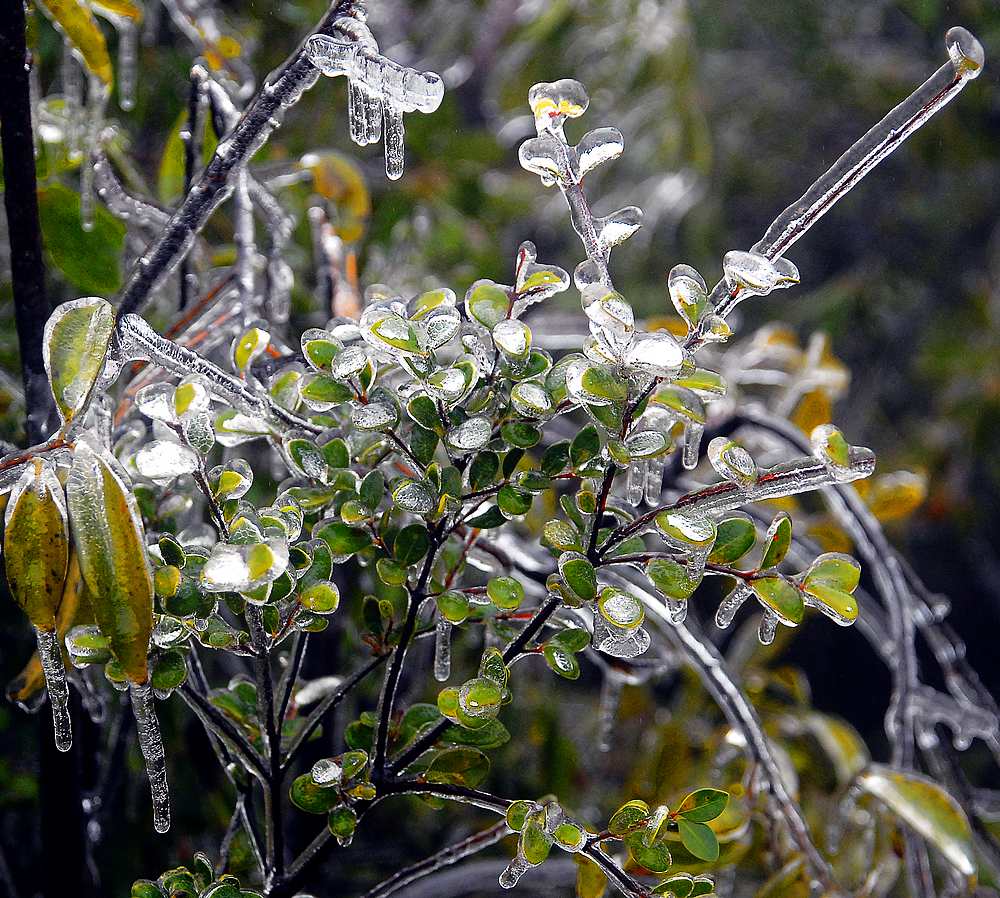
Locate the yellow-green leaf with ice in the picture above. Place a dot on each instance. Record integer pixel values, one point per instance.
(36, 544)
(76, 21)
(74, 345)
(829, 584)
(110, 544)
(924, 805)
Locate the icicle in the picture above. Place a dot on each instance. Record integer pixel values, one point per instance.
(373, 116)
(393, 135)
(768, 626)
(97, 98)
(654, 480)
(442, 650)
(692, 445)
(517, 867)
(731, 604)
(54, 671)
(128, 41)
(151, 745)
(72, 85)
(357, 113)
(611, 696)
(635, 481)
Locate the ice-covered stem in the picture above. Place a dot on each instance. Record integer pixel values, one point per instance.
(27, 269)
(556, 162)
(120, 202)
(282, 89)
(452, 854)
(965, 62)
(798, 476)
(711, 668)
(151, 745)
(387, 696)
(863, 528)
(191, 135)
(274, 833)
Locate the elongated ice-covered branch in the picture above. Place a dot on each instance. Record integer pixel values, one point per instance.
(120, 202)
(965, 62)
(797, 476)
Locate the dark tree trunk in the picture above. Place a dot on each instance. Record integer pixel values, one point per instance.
(63, 869)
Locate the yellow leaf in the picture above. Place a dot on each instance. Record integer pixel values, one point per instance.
(36, 544)
(339, 179)
(925, 806)
(897, 495)
(814, 408)
(77, 23)
(116, 10)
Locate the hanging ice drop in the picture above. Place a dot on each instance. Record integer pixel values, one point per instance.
(128, 38)
(151, 745)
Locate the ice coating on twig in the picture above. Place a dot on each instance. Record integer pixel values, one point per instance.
(50, 655)
(965, 62)
(379, 90)
(151, 745)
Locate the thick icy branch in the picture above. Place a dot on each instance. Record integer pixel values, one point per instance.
(964, 64)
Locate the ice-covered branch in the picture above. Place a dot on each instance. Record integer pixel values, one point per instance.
(965, 62)
(281, 90)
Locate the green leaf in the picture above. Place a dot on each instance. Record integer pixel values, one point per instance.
(90, 260)
(929, 809)
(320, 388)
(487, 303)
(782, 597)
(602, 381)
(514, 501)
(699, 839)
(591, 881)
(343, 540)
(647, 852)
(36, 544)
(703, 805)
(671, 578)
(312, 799)
(535, 841)
(735, 537)
(462, 766)
(585, 446)
(630, 815)
(111, 547)
(579, 575)
(562, 535)
(505, 593)
(483, 470)
(411, 544)
(777, 541)
(489, 519)
(169, 671)
(75, 343)
(561, 661)
(556, 458)
(491, 735)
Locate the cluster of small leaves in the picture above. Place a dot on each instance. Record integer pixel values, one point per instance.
(197, 881)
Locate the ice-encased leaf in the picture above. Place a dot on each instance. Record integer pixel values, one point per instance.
(415, 496)
(74, 347)
(554, 101)
(110, 545)
(617, 227)
(530, 399)
(374, 416)
(689, 293)
(241, 568)
(512, 338)
(487, 302)
(657, 354)
(732, 461)
(471, 434)
(76, 21)
(757, 275)
(36, 558)
(597, 147)
(924, 805)
(163, 460)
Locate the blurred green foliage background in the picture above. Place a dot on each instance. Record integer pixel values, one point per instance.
(729, 110)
